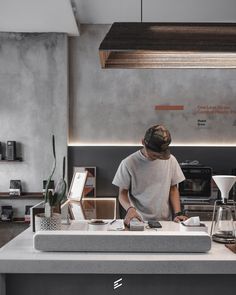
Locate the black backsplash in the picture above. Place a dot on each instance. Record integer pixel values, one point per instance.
(108, 158)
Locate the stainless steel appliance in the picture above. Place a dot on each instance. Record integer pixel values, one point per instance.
(11, 150)
(15, 188)
(197, 185)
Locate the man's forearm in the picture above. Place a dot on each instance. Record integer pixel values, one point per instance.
(123, 199)
(175, 199)
(175, 203)
(130, 210)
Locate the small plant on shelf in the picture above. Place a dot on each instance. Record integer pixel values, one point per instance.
(53, 200)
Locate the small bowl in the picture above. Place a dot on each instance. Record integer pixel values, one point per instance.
(98, 224)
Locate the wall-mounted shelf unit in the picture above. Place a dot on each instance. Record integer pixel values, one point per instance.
(5, 195)
(17, 220)
(9, 161)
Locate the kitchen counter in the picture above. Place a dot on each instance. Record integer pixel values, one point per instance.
(19, 257)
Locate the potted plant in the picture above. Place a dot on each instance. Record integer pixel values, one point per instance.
(51, 218)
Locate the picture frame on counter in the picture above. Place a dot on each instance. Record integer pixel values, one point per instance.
(77, 185)
(90, 185)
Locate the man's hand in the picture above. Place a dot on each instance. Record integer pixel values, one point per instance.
(131, 213)
(180, 218)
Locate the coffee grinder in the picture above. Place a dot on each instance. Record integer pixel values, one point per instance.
(222, 227)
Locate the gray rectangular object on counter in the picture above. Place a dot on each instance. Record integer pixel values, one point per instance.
(125, 241)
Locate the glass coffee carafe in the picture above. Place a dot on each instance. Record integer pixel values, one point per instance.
(222, 228)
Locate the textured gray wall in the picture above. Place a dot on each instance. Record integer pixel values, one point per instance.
(116, 106)
(33, 104)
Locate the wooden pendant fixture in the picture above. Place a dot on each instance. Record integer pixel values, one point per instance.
(169, 45)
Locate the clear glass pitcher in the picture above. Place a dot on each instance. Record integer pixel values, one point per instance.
(223, 230)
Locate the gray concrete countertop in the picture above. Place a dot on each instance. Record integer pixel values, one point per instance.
(19, 256)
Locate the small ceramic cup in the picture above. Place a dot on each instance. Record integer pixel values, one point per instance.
(98, 224)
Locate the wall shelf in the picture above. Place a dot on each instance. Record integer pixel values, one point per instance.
(16, 220)
(5, 195)
(9, 161)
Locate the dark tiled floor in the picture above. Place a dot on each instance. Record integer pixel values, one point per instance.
(8, 230)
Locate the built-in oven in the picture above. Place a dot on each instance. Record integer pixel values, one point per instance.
(197, 185)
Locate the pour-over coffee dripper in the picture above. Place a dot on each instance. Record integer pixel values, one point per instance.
(224, 183)
(222, 228)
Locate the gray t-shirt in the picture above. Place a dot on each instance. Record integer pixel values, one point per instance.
(149, 183)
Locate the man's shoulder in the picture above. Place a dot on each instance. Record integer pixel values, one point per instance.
(131, 160)
(173, 160)
(172, 157)
(132, 157)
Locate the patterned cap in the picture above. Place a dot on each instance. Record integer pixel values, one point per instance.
(157, 138)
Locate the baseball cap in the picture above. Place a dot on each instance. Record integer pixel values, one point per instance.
(157, 138)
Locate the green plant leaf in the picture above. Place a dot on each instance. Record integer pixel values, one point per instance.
(64, 168)
(47, 199)
(59, 193)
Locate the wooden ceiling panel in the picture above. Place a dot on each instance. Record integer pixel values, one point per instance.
(169, 45)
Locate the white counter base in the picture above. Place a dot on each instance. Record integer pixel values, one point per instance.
(122, 241)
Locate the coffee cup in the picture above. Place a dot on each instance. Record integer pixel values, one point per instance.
(98, 225)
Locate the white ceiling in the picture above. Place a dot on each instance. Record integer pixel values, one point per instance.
(109, 11)
(27, 16)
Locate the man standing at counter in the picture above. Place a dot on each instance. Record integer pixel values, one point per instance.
(148, 179)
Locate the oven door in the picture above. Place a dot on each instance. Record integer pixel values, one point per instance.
(197, 182)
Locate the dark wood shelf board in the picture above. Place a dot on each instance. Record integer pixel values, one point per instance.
(11, 161)
(15, 220)
(5, 195)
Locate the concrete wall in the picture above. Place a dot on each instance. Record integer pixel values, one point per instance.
(106, 106)
(33, 105)
(116, 105)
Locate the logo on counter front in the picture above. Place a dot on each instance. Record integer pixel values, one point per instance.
(118, 283)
